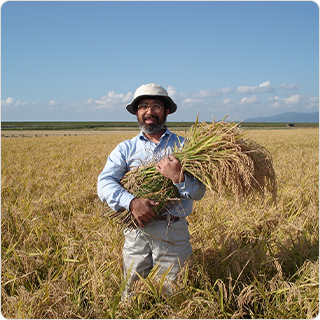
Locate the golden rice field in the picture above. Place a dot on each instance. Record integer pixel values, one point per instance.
(61, 258)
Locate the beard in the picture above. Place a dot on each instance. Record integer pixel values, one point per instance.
(154, 127)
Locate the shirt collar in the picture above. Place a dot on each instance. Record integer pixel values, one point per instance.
(166, 133)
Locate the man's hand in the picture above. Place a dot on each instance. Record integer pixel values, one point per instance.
(142, 210)
(170, 168)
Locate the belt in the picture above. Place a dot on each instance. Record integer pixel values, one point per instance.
(165, 218)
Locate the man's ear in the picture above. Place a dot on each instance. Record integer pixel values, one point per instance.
(167, 111)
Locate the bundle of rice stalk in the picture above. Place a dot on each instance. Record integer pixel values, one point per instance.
(214, 153)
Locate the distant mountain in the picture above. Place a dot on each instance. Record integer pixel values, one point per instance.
(289, 117)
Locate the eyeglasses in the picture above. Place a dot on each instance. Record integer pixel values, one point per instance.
(155, 108)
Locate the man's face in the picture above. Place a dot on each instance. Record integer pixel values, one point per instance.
(151, 122)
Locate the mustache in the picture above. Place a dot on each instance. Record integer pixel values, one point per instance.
(151, 117)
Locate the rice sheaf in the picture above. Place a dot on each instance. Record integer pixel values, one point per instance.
(215, 153)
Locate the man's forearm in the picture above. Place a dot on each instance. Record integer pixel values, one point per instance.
(110, 191)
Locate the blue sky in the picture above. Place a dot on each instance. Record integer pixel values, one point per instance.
(82, 61)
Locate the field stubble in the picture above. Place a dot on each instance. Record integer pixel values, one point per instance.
(62, 259)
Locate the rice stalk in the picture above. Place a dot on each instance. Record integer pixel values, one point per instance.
(218, 156)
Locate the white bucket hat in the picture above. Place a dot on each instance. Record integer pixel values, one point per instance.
(151, 90)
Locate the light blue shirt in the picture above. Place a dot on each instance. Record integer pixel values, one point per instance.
(138, 151)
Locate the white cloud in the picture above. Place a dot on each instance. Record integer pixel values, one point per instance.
(198, 98)
(172, 92)
(295, 101)
(53, 103)
(88, 103)
(191, 100)
(251, 100)
(313, 103)
(285, 86)
(264, 87)
(112, 99)
(109, 101)
(11, 102)
(276, 104)
(275, 101)
(211, 93)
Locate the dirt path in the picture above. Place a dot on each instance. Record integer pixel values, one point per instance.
(52, 133)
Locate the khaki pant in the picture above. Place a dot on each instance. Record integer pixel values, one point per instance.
(142, 252)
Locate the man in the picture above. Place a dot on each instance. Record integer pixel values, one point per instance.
(159, 240)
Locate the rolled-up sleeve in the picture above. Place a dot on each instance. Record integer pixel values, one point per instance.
(191, 188)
